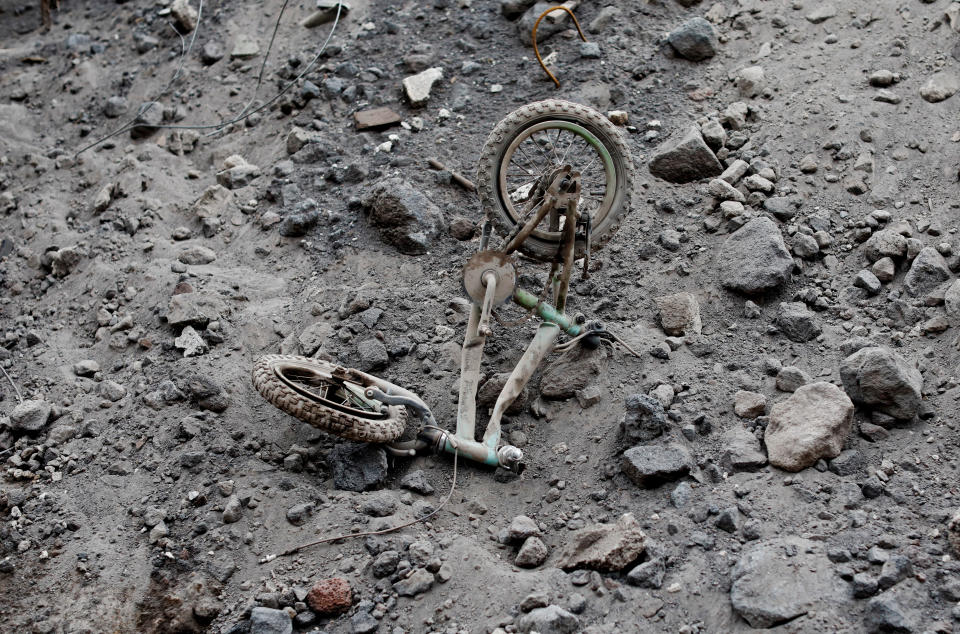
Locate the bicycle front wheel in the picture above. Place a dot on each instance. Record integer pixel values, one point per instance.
(310, 390)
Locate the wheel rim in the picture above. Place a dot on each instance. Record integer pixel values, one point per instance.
(324, 388)
(547, 145)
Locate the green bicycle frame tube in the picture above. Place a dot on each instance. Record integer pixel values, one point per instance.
(546, 312)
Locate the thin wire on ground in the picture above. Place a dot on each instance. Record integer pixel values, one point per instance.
(443, 503)
(216, 127)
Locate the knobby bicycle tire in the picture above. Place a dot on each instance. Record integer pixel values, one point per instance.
(387, 426)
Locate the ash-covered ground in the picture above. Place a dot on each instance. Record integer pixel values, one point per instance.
(782, 456)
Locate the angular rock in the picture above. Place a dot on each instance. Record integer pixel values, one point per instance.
(883, 381)
(184, 15)
(770, 588)
(571, 373)
(791, 378)
(749, 404)
(751, 81)
(417, 583)
(686, 160)
(416, 481)
(754, 259)
(549, 620)
(695, 39)
(533, 553)
(811, 424)
(742, 452)
(649, 574)
(237, 172)
(193, 309)
(269, 621)
(651, 465)
(405, 217)
(522, 528)
(644, 420)
(885, 615)
(797, 322)
(357, 467)
(928, 271)
(373, 355)
(417, 87)
(149, 116)
(679, 314)
(604, 547)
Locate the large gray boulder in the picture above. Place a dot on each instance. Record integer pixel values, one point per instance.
(780, 579)
(754, 258)
(689, 159)
(812, 424)
(928, 271)
(406, 218)
(695, 39)
(882, 380)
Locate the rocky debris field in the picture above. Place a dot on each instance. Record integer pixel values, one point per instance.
(783, 456)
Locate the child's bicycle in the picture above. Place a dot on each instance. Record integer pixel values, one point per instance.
(555, 179)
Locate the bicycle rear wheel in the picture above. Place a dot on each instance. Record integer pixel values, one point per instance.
(525, 148)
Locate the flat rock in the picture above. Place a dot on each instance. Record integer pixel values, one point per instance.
(376, 118)
(811, 424)
(651, 465)
(754, 259)
(884, 381)
(197, 255)
(193, 309)
(604, 547)
(780, 579)
(417, 87)
(270, 621)
(685, 160)
(742, 451)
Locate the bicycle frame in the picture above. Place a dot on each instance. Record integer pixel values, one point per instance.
(562, 194)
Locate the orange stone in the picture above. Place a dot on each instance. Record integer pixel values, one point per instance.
(330, 596)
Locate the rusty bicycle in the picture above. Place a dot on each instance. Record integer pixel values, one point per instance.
(555, 180)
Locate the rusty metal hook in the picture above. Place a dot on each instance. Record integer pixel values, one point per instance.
(536, 51)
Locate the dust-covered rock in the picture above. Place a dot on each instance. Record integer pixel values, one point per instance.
(810, 425)
(882, 380)
(754, 259)
(604, 547)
